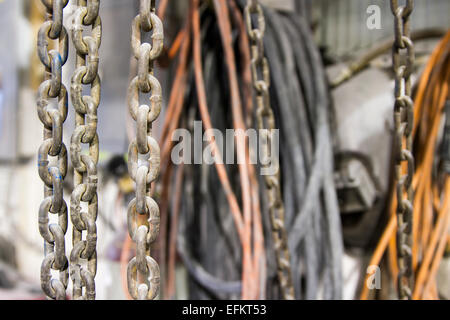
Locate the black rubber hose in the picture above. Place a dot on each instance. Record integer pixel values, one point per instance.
(332, 207)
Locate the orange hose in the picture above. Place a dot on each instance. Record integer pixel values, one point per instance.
(438, 239)
(258, 277)
(203, 107)
(176, 45)
(162, 8)
(124, 258)
(423, 272)
(221, 8)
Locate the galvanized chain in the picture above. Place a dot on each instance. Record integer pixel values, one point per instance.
(83, 257)
(266, 125)
(143, 276)
(52, 112)
(403, 60)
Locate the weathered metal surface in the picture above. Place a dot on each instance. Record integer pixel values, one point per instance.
(143, 275)
(52, 156)
(83, 257)
(364, 126)
(113, 69)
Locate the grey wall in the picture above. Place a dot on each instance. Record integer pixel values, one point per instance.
(343, 28)
(8, 78)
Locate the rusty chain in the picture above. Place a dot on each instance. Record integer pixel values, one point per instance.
(143, 275)
(403, 60)
(52, 112)
(83, 257)
(266, 125)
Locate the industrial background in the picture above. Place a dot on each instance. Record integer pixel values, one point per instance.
(332, 90)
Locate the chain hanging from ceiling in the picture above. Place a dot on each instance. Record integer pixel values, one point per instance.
(52, 92)
(83, 257)
(403, 61)
(266, 124)
(143, 275)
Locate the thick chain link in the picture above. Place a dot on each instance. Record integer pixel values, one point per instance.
(83, 257)
(52, 111)
(403, 60)
(143, 276)
(266, 125)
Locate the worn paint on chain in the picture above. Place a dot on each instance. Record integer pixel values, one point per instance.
(266, 120)
(83, 257)
(53, 172)
(403, 61)
(143, 275)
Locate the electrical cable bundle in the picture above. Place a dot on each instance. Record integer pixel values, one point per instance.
(217, 214)
(315, 238)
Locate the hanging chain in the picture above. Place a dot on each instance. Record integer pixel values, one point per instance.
(265, 120)
(52, 111)
(403, 60)
(143, 276)
(83, 257)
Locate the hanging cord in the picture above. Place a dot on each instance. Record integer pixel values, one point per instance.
(259, 258)
(174, 112)
(208, 234)
(245, 219)
(243, 153)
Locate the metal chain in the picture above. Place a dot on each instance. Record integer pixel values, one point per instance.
(52, 112)
(403, 60)
(266, 125)
(143, 275)
(83, 257)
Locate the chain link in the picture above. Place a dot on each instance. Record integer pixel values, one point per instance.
(83, 257)
(143, 275)
(403, 60)
(52, 112)
(266, 125)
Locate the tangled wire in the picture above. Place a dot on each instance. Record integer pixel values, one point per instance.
(215, 217)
